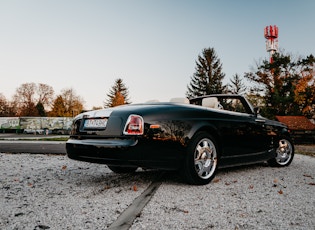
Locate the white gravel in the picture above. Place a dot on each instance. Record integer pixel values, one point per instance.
(54, 192)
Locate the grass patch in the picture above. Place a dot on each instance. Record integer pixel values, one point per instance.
(54, 139)
(39, 139)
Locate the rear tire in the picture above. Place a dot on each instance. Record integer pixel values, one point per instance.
(284, 153)
(201, 159)
(119, 169)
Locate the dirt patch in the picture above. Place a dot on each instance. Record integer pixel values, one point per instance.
(305, 149)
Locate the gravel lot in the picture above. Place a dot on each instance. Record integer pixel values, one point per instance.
(54, 192)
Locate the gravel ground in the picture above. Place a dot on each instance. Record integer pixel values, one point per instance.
(54, 192)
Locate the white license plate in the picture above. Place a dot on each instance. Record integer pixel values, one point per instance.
(95, 123)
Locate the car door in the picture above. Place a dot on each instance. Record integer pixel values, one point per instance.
(242, 133)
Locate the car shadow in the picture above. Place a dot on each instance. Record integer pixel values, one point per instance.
(142, 177)
(175, 177)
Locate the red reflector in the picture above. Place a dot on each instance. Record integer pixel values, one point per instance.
(134, 125)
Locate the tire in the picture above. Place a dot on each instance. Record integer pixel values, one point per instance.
(201, 159)
(119, 169)
(284, 153)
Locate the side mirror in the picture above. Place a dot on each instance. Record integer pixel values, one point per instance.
(256, 111)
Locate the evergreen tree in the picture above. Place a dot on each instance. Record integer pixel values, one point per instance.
(118, 94)
(237, 86)
(40, 109)
(208, 76)
(58, 108)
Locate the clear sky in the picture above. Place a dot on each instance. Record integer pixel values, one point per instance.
(151, 44)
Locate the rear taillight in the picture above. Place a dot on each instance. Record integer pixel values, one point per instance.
(134, 125)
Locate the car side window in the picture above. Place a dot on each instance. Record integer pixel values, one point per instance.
(233, 104)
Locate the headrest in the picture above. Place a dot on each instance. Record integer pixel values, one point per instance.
(210, 102)
(152, 101)
(182, 100)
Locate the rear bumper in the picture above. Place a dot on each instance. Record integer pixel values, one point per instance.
(105, 143)
(125, 152)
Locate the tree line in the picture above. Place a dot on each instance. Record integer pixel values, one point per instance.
(284, 87)
(32, 99)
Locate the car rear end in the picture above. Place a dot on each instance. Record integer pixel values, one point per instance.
(123, 136)
(100, 136)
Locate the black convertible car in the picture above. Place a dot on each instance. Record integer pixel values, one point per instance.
(193, 136)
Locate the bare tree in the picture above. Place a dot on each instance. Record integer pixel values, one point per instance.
(4, 106)
(45, 94)
(24, 98)
(32, 100)
(73, 103)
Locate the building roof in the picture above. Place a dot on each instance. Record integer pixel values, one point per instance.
(296, 122)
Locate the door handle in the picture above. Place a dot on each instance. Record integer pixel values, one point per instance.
(260, 120)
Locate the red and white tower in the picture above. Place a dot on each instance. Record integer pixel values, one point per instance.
(271, 34)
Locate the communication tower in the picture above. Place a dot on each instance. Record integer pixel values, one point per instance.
(271, 34)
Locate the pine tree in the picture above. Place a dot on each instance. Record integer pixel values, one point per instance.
(59, 108)
(118, 94)
(40, 109)
(237, 86)
(208, 76)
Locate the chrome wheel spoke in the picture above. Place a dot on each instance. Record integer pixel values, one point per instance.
(199, 152)
(200, 167)
(205, 158)
(284, 152)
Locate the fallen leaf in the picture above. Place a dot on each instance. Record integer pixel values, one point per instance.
(135, 188)
(307, 175)
(216, 180)
(64, 167)
(19, 214)
(275, 181)
(280, 192)
(40, 226)
(251, 186)
(106, 187)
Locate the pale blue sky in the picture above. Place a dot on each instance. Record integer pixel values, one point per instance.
(151, 45)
